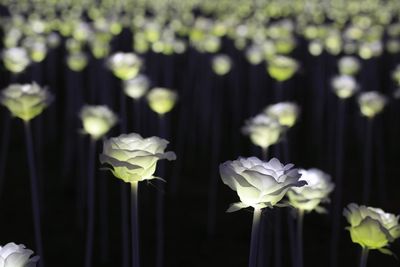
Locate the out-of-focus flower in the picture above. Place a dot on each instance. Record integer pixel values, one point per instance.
(77, 61)
(372, 228)
(310, 196)
(133, 158)
(97, 120)
(348, 65)
(221, 64)
(285, 112)
(161, 100)
(125, 66)
(259, 184)
(136, 87)
(15, 59)
(25, 101)
(396, 74)
(282, 68)
(371, 103)
(36, 48)
(344, 86)
(13, 255)
(263, 130)
(254, 54)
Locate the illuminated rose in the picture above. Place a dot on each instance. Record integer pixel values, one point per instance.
(221, 64)
(25, 101)
(263, 130)
(133, 158)
(97, 120)
(371, 228)
(15, 59)
(348, 65)
(161, 100)
(371, 103)
(285, 112)
(13, 255)
(125, 66)
(136, 87)
(344, 86)
(259, 184)
(282, 68)
(310, 196)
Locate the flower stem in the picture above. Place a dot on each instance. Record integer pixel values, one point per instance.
(265, 154)
(364, 257)
(367, 162)
(300, 217)
(90, 204)
(135, 224)
(34, 192)
(254, 238)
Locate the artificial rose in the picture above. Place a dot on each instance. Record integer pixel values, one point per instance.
(259, 184)
(136, 87)
(161, 100)
(15, 59)
(282, 68)
(344, 86)
(125, 65)
(285, 112)
(348, 65)
(25, 101)
(133, 158)
(221, 64)
(97, 120)
(371, 103)
(371, 228)
(13, 255)
(310, 196)
(263, 130)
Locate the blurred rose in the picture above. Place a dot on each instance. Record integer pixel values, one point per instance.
(285, 112)
(97, 120)
(310, 196)
(371, 228)
(221, 64)
(133, 158)
(125, 66)
(348, 65)
(371, 103)
(161, 100)
(136, 87)
(15, 59)
(282, 68)
(25, 101)
(259, 184)
(13, 255)
(344, 86)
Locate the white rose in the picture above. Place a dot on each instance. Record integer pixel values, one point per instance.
(370, 227)
(310, 196)
(12, 255)
(221, 64)
(348, 65)
(15, 59)
(371, 103)
(285, 112)
(136, 87)
(97, 120)
(125, 65)
(25, 101)
(344, 86)
(259, 184)
(133, 158)
(263, 130)
(161, 100)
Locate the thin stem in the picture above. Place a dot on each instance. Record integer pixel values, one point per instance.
(254, 238)
(135, 225)
(34, 192)
(90, 204)
(367, 162)
(300, 217)
(4, 148)
(364, 257)
(265, 153)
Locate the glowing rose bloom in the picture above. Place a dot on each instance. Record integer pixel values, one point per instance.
(371, 228)
(36, 48)
(136, 87)
(15, 59)
(344, 86)
(310, 196)
(25, 101)
(13, 255)
(254, 54)
(285, 112)
(97, 120)
(161, 100)
(371, 103)
(263, 130)
(282, 68)
(258, 184)
(348, 65)
(221, 64)
(77, 61)
(315, 48)
(125, 66)
(53, 40)
(133, 158)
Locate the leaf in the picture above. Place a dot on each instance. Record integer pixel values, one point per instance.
(388, 252)
(236, 206)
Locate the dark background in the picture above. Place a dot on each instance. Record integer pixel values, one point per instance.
(204, 129)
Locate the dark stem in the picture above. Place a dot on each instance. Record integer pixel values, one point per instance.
(364, 257)
(4, 148)
(34, 192)
(135, 225)
(300, 217)
(367, 162)
(90, 204)
(254, 238)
